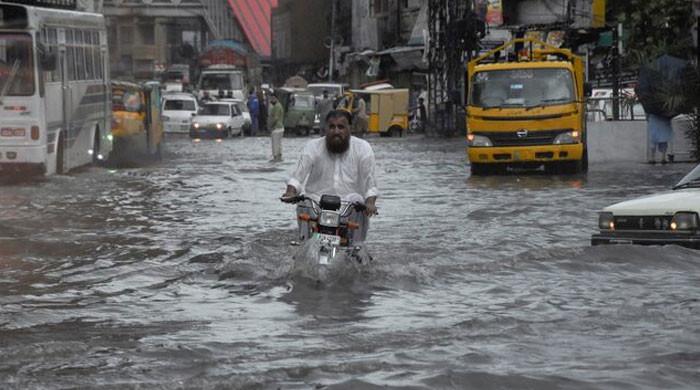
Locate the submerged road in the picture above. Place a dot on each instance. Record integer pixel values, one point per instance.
(179, 275)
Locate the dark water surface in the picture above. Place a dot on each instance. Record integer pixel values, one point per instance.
(179, 275)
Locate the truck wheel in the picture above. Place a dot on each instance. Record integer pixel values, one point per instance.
(479, 169)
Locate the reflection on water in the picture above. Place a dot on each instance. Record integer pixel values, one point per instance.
(181, 275)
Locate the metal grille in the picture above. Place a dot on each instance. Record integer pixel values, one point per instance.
(656, 222)
(511, 138)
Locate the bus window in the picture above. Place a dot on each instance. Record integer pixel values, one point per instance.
(16, 65)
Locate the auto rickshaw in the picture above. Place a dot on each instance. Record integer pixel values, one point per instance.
(136, 122)
(299, 109)
(387, 110)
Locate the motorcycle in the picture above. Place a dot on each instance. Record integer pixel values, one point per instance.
(331, 237)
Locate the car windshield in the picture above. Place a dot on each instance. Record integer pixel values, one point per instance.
(16, 65)
(522, 88)
(179, 105)
(221, 81)
(690, 180)
(303, 101)
(216, 109)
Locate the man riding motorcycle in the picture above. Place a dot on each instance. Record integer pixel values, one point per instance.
(337, 164)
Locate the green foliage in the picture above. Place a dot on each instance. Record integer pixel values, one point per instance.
(653, 27)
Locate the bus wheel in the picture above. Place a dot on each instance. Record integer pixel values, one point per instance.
(60, 165)
(96, 147)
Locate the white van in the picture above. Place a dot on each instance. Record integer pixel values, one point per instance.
(178, 109)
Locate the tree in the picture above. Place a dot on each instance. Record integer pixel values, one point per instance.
(653, 27)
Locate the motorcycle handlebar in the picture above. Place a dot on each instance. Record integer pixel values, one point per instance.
(359, 207)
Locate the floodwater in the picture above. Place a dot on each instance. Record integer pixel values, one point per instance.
(180, 275)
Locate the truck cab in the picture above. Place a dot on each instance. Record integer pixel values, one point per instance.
(527, 112)
(221, 78)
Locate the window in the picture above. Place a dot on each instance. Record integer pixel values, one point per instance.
(146, 33)
(16, 65)
(126, 36)
(379, 7)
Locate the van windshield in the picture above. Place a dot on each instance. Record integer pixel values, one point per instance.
(16, 65)
(221, 81)
(522, 88)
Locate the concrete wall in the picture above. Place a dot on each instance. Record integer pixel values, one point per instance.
(610, 141)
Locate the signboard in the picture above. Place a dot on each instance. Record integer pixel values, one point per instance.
(490, 11)
(64, 4)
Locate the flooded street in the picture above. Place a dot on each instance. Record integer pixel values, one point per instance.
(180, 275)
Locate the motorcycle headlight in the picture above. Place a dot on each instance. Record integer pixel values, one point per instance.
(329, 218)
(685, 221)
(195, 125)
(478, 141)
(570, 137)
(219, 126)
(606, 221)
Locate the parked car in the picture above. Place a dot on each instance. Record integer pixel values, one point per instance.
(667, 218)
(243, 108)
(217, 120)
(178, 109)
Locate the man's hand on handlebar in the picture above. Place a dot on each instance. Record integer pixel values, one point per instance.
(370, 207)
(290, 196)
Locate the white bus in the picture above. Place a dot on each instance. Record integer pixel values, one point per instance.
(55, 109)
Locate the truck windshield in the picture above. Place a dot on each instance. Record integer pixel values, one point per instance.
(222, 81)
(16, 65)
(522, 88)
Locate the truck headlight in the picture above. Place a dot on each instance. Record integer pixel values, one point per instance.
(219, 126)
(606, 221)
(685, 221)
(329, 218)
(478, 141)
(570, 137)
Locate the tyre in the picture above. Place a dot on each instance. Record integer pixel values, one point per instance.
(96, 147)
(60, 163)
(395, 131)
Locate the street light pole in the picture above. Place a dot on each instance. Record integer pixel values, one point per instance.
(331, 60)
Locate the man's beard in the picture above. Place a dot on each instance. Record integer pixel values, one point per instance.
(336, 144)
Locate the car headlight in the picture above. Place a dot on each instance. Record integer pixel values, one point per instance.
(165, 118)
(606, 221)
(684, 221)
(195, 125)
(329, 218)
(219, 126)
(570, 137)
(478, 141)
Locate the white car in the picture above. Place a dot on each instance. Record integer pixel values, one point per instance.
(217, 120)
(243, 108)
(177, 112)
(671, 217)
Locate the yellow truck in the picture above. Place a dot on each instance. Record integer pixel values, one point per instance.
(528, 110)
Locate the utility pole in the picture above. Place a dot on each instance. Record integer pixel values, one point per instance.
(331, 60)
(616, 73)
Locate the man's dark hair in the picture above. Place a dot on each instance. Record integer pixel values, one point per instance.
(339, 114)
